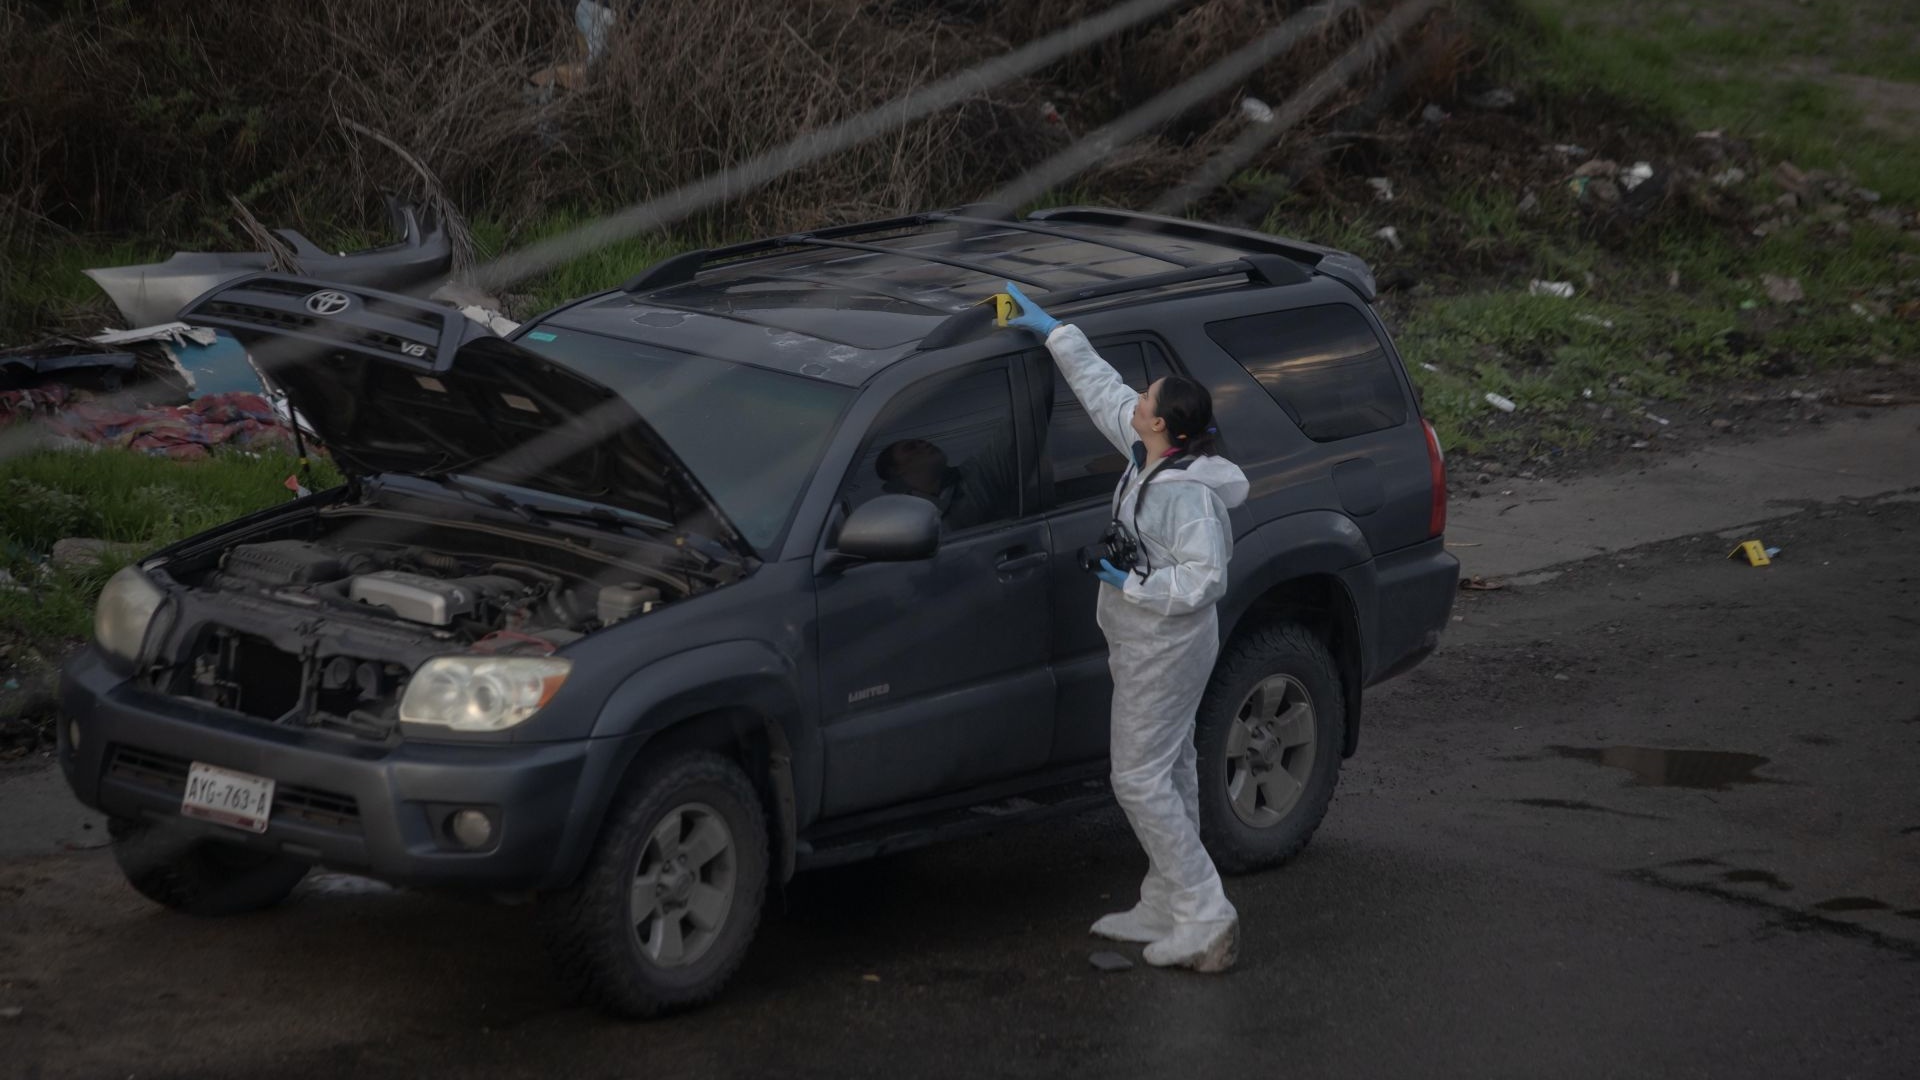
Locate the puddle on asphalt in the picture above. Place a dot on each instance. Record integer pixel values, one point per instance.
(1706, 770)
(1756, 877)
(1575, 804)
(1851, 903)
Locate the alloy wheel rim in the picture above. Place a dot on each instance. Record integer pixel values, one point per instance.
(683, 886)
(1270, 751)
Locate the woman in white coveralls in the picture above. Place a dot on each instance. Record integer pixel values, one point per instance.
(1163, 635)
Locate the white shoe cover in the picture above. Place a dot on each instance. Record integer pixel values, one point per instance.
(1208, 947)
(1140, 925)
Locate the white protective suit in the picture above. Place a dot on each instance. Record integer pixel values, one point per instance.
(1163, 635)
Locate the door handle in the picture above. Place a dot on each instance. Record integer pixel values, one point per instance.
(1011, 562)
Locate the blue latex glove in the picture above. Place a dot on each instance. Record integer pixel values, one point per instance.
(1111, 575)
(1031, 316)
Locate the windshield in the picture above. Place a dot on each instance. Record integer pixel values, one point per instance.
(751, 437)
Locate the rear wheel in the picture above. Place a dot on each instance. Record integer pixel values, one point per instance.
(188, 872)
(1268, 736)
(670, 899)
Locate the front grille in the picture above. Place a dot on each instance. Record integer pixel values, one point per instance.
(291, 802)
(260, 316)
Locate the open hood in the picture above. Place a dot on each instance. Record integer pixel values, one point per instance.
(394, 384)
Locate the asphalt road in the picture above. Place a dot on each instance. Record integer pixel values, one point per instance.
(1504, 887)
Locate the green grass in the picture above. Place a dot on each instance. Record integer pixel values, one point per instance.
(41, 285)
(139, 503)
(1755, 71)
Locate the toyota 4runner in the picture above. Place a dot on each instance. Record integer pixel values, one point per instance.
(761, 563)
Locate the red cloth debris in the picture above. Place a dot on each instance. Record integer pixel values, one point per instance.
(236, 419)
(16, 405)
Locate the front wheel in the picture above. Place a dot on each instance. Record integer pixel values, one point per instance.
(668, 904)
(1268, 737)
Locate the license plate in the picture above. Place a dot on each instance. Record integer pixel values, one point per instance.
(237, 799)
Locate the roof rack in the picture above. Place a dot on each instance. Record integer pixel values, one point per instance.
(681, 268)
(1342, 265)
(983, 224)
(1258, 269)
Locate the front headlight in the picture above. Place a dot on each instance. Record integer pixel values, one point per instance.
(126, 608)
(481, 693)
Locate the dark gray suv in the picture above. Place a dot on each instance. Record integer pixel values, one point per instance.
(761, 563)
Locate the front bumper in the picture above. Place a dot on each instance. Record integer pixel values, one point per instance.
(373, 808)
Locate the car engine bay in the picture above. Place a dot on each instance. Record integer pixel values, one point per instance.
(321, 622)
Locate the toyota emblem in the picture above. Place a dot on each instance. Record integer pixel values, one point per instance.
(328, 302)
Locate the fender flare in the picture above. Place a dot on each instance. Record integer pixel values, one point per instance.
(743, 678)
(1312, 543)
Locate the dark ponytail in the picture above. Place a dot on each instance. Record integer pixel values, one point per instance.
(1188, 410)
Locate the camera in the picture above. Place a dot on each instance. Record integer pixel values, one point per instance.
(1116, 546)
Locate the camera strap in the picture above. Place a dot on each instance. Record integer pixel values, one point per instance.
(1178, 462)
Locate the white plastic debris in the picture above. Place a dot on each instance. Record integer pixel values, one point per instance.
(178, 333)
(490, 319)
(1861, 310)
(1391, 235)
(1561, 289)
(1661, 420)
(1431, 368)
(1256, 110)
(1594, 320)
(594, 21)
(1729, 176)
(1571, 150)
(1382, 188)
(1587, 393)
(1640, 173)
(1501, 403)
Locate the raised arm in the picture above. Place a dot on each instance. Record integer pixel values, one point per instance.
(1108, 399)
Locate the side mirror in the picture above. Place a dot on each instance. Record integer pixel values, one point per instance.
(891, 528)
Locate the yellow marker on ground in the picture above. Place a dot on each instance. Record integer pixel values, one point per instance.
(1754, 551)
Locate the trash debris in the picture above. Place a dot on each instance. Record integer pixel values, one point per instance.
(1434, 114)
(490, 319)
(1256, 110)
(155, 293)
(1756, 553)
(1593, 320)
(1430, 367)
(1498, 98)
(1640, 173)
(1528, 203)
(1051, 113)
(1561, 289)
(1392, 236)
(1476, 583)
(1662, 421)
(1861, 310)
(1382, 188)
(1782, 290)
(1505, 405)
(1110, 961)
(1571, 150)
(1729, 176)
(870, 977)
(184, 432)
(594, 21)
(178, 333)
(1673, 279)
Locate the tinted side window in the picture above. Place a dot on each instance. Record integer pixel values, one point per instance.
(1324, 366)
(1085, 464)
(951, 442)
